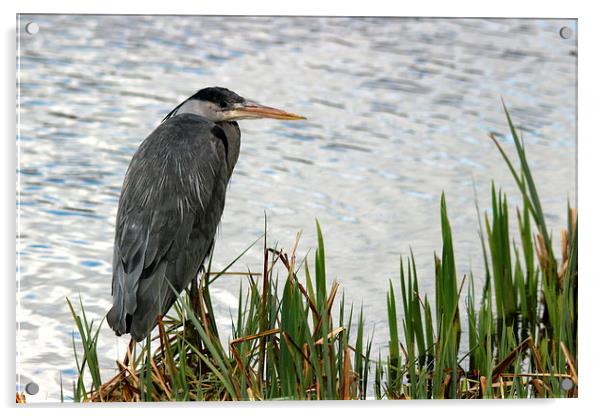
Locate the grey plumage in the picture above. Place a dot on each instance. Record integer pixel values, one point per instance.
(171, 203)
(168, 216)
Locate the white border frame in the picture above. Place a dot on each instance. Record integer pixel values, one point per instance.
(590, 32)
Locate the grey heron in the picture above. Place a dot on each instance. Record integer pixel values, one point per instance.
(171, 202)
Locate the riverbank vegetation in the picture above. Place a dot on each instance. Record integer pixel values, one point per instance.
(293, 336)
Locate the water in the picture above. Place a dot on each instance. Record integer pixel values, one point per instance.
(397, 111)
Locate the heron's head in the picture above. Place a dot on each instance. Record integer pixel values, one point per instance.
(220, 104)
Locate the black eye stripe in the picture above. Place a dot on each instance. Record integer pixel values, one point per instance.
(223, 104)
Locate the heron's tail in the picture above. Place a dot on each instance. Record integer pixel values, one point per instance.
(117, 320)
(138, 325)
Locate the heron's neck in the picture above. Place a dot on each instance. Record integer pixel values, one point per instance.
(199, 108)
(232, 132)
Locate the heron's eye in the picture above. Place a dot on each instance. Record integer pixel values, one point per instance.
(223, 104)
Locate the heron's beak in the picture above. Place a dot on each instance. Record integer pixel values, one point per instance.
(250, 110)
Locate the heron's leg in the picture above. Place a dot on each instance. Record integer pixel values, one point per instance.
(194, 295)
(129, 352)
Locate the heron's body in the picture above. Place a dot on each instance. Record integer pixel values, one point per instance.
(171, 203)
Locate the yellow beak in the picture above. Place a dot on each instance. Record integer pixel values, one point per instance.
(251, 110)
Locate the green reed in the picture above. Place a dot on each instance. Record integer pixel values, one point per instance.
(522, 336)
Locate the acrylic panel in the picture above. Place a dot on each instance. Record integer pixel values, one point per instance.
(431, 170)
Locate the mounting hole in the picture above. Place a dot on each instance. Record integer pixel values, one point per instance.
(32, 28)
(566, 32)
(32, 388)
(566, 384)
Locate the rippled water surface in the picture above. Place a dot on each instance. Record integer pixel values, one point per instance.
(397, 111)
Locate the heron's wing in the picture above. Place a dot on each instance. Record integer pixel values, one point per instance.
(170, 206)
